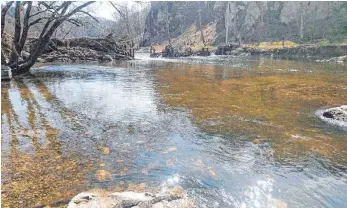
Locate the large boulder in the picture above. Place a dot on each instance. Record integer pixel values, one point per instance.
(336, 116)
(226, 49)
(170, 198)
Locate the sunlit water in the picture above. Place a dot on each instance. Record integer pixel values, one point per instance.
(233, 132)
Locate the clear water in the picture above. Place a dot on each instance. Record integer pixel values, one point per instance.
(233, 132)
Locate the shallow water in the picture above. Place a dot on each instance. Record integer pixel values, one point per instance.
(233, 132)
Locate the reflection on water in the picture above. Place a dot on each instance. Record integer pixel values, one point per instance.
(35, 168)
(233, 133)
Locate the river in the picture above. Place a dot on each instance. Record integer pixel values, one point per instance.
(232, 131)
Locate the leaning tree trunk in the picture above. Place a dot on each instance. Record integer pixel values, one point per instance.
(51, 25)
(3, 15)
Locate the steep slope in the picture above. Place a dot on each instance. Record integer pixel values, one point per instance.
(246, 22)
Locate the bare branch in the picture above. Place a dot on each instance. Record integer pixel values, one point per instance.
(39, 12)
(37, 21)
(77, 9)
(25, 27)
(3, 14)
(84, 12)
(74, 22)
(120, 12)
(64, 6)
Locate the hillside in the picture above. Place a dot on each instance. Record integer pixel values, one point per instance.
(247, 22)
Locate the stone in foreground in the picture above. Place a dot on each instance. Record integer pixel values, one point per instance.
(170, 198)
(336, 116)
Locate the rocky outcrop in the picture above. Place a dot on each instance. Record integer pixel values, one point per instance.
(227, 49)
(248, 21)
(336, 116)
(171, 198)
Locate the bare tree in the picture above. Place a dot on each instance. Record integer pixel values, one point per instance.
(302, 16)
(200, 25)
(167, 22)
(3, 15)
(226, 18)
(52, 15)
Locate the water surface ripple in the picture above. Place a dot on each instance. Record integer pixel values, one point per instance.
(233, 132)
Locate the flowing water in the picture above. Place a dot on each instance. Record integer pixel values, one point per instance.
(233, 132)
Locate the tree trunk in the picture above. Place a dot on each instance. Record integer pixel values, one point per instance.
(3, 15)
(227, 12)
(200, 25)
(167, 22)
(17, 32)
(302, 16)
(25, 27)
(45, 36)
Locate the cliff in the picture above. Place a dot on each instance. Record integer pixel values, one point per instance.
(246, 22)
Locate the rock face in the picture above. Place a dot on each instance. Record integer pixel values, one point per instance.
(336, 116)
(248, 21)
(170, 198)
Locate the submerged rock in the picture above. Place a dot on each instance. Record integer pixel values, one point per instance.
(170, 198)
(336, 116)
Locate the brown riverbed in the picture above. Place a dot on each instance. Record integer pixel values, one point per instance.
(232, 132)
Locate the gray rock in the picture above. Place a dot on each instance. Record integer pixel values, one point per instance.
(107, 58)
(336, 116)
(40, 60)
(25, 54)
(6, 72)
(170, 198)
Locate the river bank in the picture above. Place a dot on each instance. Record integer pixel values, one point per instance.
(337, 53)
(317, 53)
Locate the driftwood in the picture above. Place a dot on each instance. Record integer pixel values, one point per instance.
(171, 52)
(85, 48)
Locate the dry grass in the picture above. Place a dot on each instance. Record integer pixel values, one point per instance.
(272, 45)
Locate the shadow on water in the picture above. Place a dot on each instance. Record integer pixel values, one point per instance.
(232, 132)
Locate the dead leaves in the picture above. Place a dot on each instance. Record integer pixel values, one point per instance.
(211, 172)
(137, 187)
(103, 175)
(277, 203)
(124, 171)
(104, 150)
(200, 166)
(171, 149)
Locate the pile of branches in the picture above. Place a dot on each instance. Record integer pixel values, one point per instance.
(84, 48)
